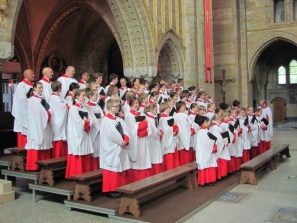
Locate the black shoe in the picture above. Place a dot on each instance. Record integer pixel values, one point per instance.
(114, 195)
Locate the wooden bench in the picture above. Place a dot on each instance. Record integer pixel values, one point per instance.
(264, 160)
(51, 169)
(281, 150)
(18, 158)
(144, 190)
(86, 183)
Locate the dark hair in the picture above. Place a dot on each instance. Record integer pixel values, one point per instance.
(56, 85)
(224, 106)
(154, 93)
(172, 94)
(192, 88)
(72, 86)
(236, 103)
(183, 95)
(153, 85)
(179, 104)
(113, 76)
(201, 119)
(110, 90)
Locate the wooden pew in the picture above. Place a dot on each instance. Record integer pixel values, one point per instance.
(264, 160)
(149, 188)
(51, 169)
(86, 183)
(18, 158)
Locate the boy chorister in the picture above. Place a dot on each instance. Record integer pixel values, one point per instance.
(262, 129)
(138, 148)
(238, 143)
(206, 148)
(184, 133)
(114, 159)
(20, 107)
(97, 115)
(245, 139)
(79, 140)
(195, 127)
(156, 151)
(169, 139)
(59, 115)
(267, 115)
(233, 147)
(39, 138)
(254, 134)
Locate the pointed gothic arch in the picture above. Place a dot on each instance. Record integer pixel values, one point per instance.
(170, 58)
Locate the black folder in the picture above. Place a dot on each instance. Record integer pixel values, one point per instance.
(173, 110)
(102, 92)
(226, 137)
(170, 122)
(97, 115)
(139, 118)
(83, 114)
(120, 129)
(124, 96)
(212, 136)
(160, 100)
(231, 128)
(45, 104)
(236, 125)
(101, 103)
(246, 121)
(29, 94)
(197, 118)
(264, 120)
(253, 119)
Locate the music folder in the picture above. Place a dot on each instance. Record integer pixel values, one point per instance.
(120, 129)
(45, 104)
(264, 121)
(139, 118)
(102, 92)
(246, 121)
(98, 115)
(212, 136)
(231, 128)
(170, 122)
(236, 125)
(83, 115)
(226, 137)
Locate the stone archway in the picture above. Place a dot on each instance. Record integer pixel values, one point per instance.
(271, 55)
(170, 57)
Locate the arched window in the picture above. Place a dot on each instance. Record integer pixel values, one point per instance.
(282, 75)
(279, 11)
(293, 72)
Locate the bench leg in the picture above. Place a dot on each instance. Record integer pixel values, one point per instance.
(34, 195)
(271, 164)
(82, 191)
(286, 153)
(130, 205)
(248, 177)
(18, 163)
(46, 176)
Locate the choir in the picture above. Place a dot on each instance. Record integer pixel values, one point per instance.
(135, 133)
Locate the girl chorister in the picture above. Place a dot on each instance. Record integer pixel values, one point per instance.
(79, 140)
(59, 111)
(245, 132)
(169, 139)
(39, 138)
(97, 115)
(73, 87)
(222, 141)
(154, 140)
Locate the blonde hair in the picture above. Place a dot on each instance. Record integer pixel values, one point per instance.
(164, 106)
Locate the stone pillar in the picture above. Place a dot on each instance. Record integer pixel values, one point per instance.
(1, 91)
